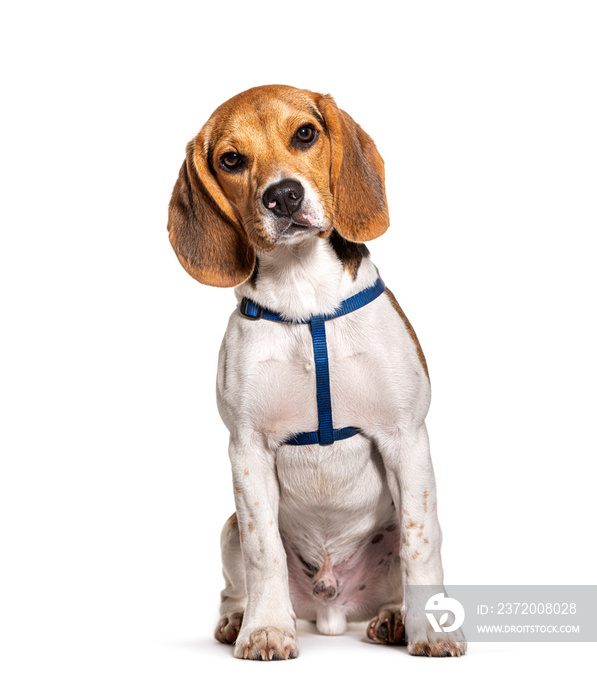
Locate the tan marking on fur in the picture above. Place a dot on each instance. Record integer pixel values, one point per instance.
(410, 329)
(256, 504)
(426, 540)
(416, 555)
(271, 522)
(352, 267)
(411, 524)
(250, 526)
(246, 472)
(425, 494)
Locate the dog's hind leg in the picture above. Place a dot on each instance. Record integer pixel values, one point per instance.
(234, 595)
(388, 626)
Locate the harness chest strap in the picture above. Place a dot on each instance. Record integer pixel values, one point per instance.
(326, 435)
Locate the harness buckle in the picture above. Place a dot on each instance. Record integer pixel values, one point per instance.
(243, 309)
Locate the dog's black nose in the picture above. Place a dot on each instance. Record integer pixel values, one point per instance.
(284, 198)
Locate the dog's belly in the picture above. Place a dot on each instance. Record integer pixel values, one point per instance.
(338, 524)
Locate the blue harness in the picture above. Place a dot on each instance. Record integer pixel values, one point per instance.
(327, 434)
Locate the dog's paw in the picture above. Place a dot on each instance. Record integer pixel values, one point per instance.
(387, 627)
(267, 644)
(438, 644)
(228, 628)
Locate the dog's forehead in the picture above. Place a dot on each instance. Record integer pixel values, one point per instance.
(266, 110)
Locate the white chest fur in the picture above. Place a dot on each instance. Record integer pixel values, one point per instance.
(266, 387)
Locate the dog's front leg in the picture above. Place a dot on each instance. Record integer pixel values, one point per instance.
(269, 624)
(411, 479)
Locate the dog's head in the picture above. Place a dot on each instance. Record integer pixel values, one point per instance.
(271, 166)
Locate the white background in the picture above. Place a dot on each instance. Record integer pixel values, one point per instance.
(115, 480)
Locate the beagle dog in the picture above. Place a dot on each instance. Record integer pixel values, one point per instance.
(336, 517)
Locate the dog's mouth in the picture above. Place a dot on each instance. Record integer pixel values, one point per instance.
(299, 224)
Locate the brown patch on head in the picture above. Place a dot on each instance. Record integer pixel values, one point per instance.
(409, 328)
(217, 217)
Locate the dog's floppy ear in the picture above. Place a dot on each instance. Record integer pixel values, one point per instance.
(206, 235)
(357, 177)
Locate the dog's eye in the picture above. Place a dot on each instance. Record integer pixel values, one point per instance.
(305, 133)
(231, 161)
(305, 136)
